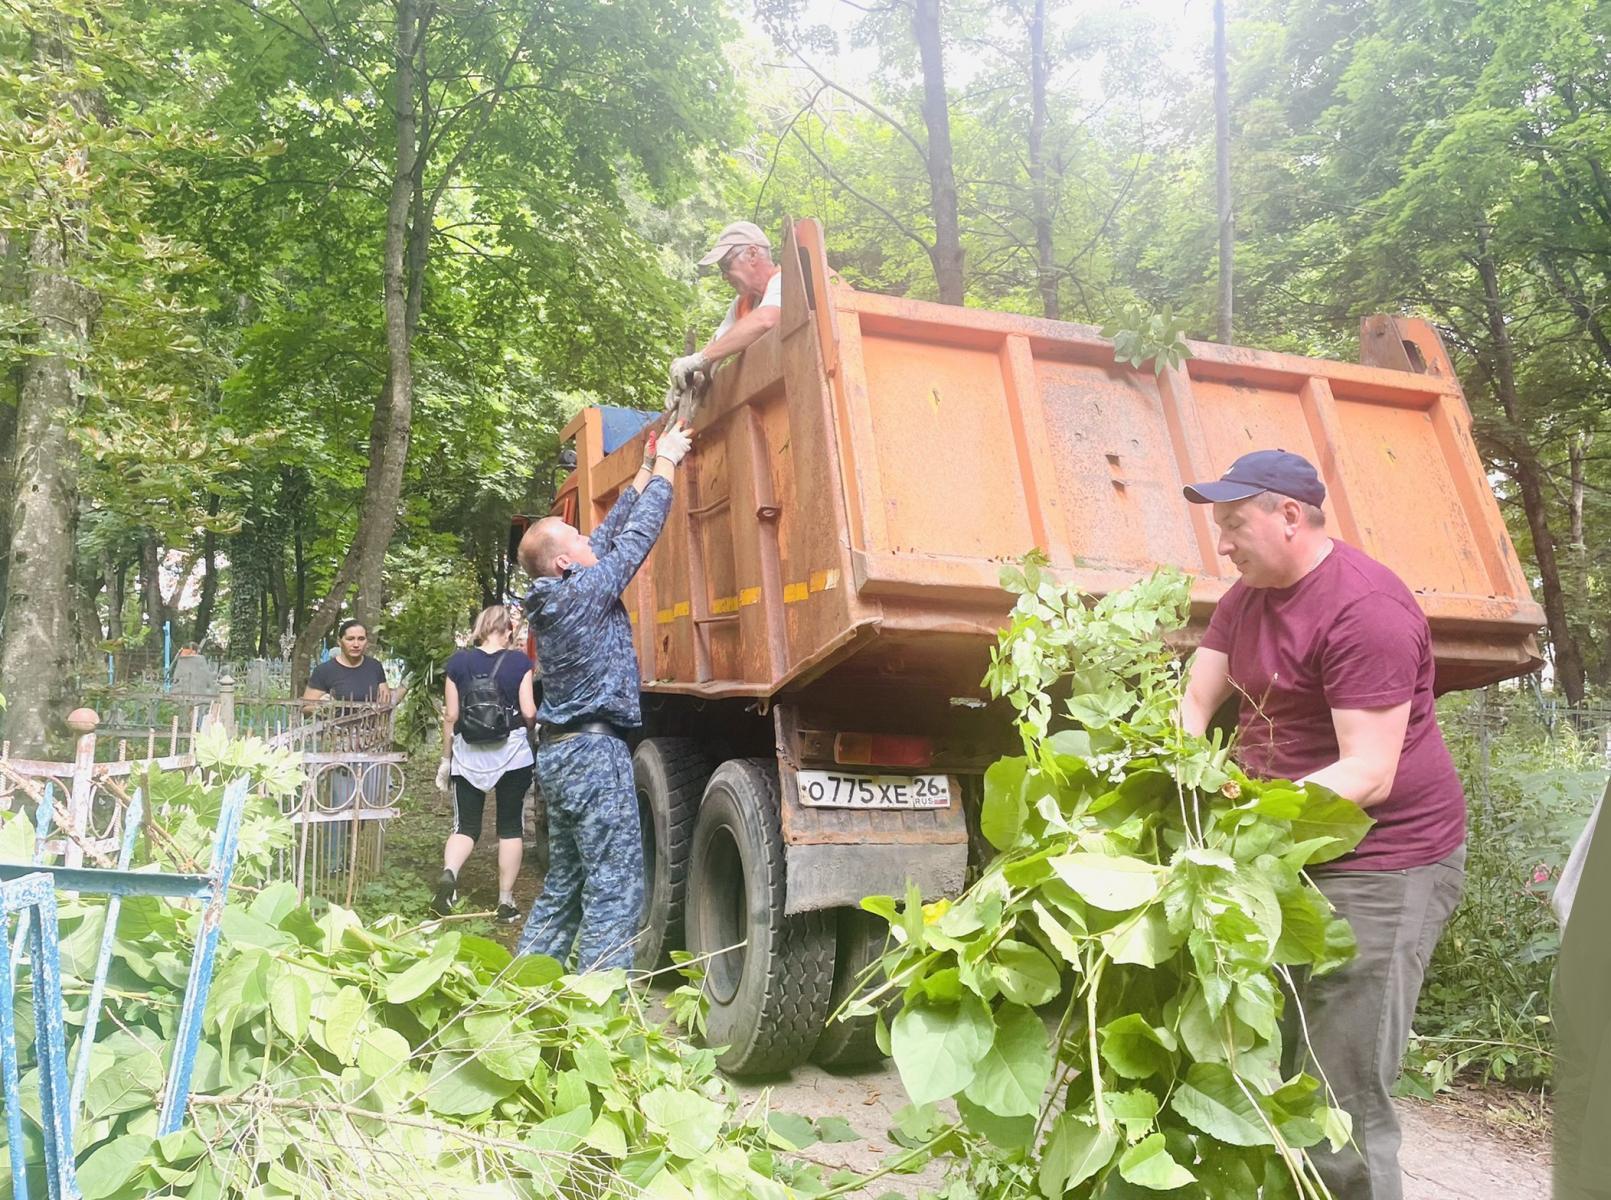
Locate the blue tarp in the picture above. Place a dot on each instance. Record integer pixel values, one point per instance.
(621, 425)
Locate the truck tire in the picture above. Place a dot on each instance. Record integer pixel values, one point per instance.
(853, 1043)
(769, 995)
(669, 776)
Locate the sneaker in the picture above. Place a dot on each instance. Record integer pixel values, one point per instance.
(447, 894)
(508, 914)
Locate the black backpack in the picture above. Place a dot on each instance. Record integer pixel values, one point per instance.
(483, 716)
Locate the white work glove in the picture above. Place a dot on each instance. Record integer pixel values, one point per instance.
(442, 771)
(685, 368)
(649, 451)
(674, 443)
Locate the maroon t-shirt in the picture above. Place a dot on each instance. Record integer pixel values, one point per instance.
(1347, 635)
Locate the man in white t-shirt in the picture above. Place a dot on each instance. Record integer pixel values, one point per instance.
(744, 254)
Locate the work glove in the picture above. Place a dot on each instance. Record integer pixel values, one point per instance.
(649, 452)
(685, 368)
(442, 770)
(674, 443)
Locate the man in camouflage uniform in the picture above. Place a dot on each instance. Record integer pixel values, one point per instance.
(590, 699)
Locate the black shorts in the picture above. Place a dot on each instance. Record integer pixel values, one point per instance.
(510, 792)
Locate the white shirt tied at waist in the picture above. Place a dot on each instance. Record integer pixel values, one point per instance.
(481, 764)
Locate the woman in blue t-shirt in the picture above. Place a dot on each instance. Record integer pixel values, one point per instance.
(502, 764)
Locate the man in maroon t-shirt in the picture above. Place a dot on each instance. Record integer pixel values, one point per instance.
(1332, 661)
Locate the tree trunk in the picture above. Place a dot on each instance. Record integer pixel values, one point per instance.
(113, 569)
(156, 611)
(1045, 265)
(279, 593)
(946, 253)
(1569, 670)
(363, 565)
(88, 613)
(34, 656)
(209, 576)
(299, 617)
(13, 291)
(1222, 169)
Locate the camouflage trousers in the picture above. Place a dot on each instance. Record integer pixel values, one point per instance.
(595, 855)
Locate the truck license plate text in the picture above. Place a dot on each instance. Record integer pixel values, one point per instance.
(829, 789)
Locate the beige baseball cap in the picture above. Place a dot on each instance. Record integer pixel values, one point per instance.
(739, 233)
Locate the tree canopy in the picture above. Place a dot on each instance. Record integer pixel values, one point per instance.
(295, 299)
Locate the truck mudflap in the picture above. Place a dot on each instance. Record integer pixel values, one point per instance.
(825, 875)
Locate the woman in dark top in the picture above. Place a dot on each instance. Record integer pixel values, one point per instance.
(349, 676)
(349, 673)
(502, 765)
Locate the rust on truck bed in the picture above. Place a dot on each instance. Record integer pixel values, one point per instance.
(863, 471)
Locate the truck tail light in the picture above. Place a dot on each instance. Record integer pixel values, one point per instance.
(882, 750)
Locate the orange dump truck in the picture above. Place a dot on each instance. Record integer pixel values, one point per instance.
(816, 618)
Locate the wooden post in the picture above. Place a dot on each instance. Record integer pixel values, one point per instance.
(82, 721)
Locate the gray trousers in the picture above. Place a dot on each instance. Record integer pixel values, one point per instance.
(1358, 1017)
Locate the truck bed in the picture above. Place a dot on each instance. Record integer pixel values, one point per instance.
(861, 474)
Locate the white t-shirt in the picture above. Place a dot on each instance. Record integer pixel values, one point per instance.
(772, 297)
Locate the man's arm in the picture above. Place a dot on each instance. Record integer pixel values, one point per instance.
(1369, 742)
(603, 537)
(742, 334)
(1208, 685)
(632, 544)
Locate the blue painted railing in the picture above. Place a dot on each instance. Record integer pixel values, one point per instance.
(29, 891)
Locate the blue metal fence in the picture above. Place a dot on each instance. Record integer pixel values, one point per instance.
(28, 890)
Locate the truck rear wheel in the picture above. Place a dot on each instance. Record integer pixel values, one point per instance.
(768, 976)
(861, 940)
(669, 775)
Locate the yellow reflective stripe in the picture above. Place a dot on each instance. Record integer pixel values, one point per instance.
(824, 581)
(723, 605)
(749, 596)
(795, 592)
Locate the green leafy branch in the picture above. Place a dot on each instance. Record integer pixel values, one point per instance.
(1154, 891)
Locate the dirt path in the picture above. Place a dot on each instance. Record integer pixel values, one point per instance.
(1450, 1151)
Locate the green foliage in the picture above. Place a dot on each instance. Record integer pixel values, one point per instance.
(1485, 1005)
(385, 1059)
(1145, 878)
(1140, 337)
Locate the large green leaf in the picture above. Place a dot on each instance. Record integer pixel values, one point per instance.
(1148, 1164)
(1136, 1049)
(1075, 1150)
(111, 1164)
(128, 1085)
(1212, 1101)
(1144, 941)
(1328, 815)
(937, 1048)
(1115, 883)
(290, 1002)
(381, 1052)
(1002, 813)
(461, 1086)
(423, 975)
(504, 1044)
(689, 1120)
(342, 1017)
(1024, 974)
(1015, 1072)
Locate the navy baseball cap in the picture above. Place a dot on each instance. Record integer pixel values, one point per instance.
(1278, 471)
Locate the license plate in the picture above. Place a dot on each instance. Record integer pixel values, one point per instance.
(830, 789)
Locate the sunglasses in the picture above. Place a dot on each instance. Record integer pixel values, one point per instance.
(728, 263)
